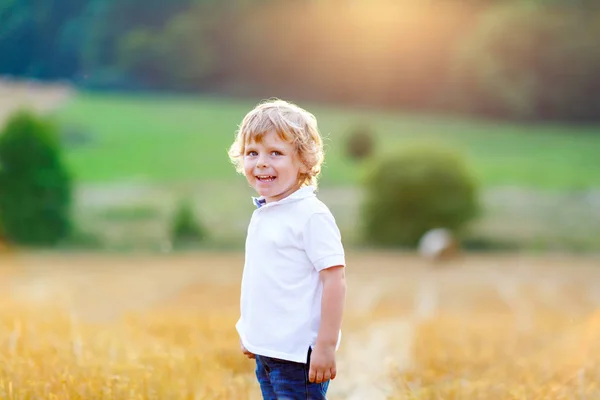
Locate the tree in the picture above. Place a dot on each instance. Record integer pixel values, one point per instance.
(35, 186)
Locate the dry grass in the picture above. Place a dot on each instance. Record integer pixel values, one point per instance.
(133, 328)
(141, 327)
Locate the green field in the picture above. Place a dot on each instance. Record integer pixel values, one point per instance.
(166, 139)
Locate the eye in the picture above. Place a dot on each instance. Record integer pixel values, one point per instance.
(251, 153)
(276, 153)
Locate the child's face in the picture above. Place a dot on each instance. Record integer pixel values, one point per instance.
(272, 167)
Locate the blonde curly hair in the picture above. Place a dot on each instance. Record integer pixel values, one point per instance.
(293, 124)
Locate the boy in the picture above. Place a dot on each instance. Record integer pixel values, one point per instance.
(293, 285)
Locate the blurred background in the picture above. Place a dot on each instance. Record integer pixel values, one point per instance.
(481, 117)
(448, 125)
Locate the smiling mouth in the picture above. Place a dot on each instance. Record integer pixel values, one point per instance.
(265, 178)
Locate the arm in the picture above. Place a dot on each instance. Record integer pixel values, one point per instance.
(322, 365)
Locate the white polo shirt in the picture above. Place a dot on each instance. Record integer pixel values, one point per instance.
(288, 243)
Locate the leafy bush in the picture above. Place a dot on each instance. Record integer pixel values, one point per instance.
(360, 143)
(35, 186)
(416, 190)
(185, 228)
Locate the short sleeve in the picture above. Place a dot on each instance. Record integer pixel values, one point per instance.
(323, 242)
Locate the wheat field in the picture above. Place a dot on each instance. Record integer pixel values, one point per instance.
(85, 326)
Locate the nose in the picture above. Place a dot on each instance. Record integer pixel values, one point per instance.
(262, 162)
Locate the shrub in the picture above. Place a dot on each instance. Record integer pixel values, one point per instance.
(185, 228)
(360, 143)
(4, 245)
(416, 190)
(35, 186)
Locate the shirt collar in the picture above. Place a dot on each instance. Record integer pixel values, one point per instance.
(303, 192)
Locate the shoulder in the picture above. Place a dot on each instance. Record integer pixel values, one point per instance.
(321, 237)
(317, 218)
(312, 206)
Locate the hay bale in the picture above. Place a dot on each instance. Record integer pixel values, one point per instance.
(438, 244)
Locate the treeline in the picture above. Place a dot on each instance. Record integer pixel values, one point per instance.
(519, 59)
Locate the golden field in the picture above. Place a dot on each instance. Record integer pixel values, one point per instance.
(492, 327)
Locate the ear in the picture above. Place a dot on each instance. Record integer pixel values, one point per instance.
(303, 168)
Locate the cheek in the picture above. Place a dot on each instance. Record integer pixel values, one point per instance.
(248, 167)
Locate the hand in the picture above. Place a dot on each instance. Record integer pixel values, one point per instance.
(246, 352)
(322, 364)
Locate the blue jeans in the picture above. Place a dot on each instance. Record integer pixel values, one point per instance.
(287, 380)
